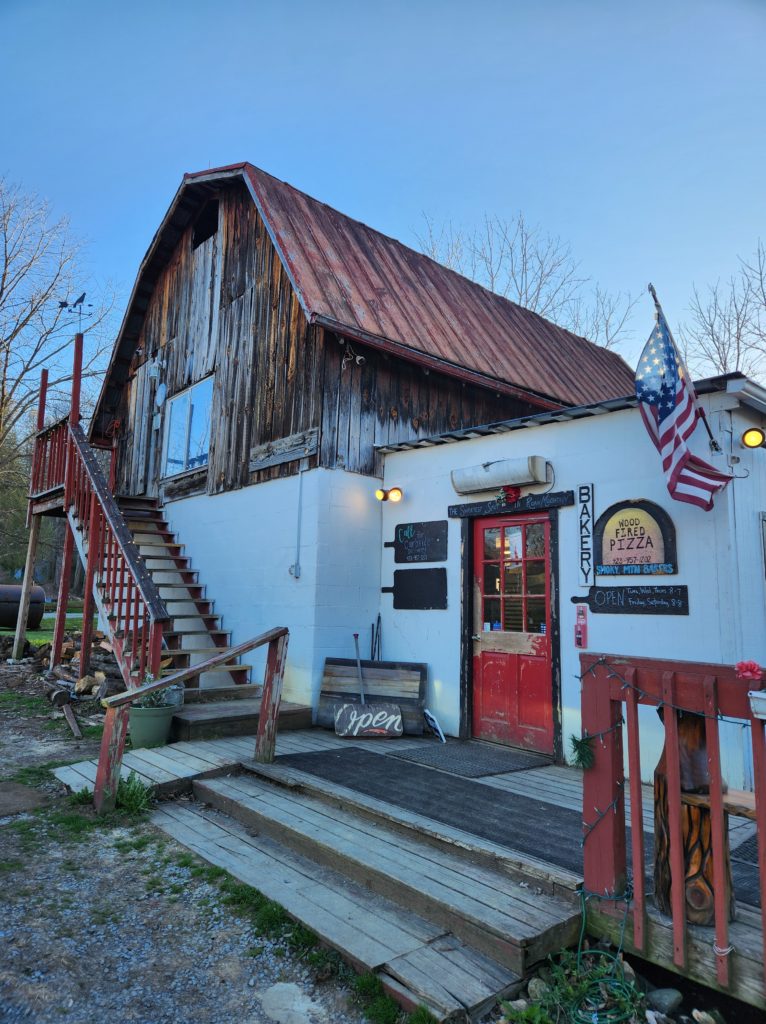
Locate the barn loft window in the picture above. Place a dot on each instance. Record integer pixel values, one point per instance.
(206, 224)
(187, 429)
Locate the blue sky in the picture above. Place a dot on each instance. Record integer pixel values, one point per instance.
(633, 131)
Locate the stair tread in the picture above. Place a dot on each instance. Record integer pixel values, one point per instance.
(220, 710)
(487, 896)
(373, 932)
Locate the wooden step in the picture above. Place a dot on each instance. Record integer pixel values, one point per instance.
(541, 874)
(231, 666)
(209, 720)
(417, 961)
(501, 918)
(222, 634)
(247, 691)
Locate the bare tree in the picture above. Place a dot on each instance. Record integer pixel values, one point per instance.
(40, 266)
(536, 270)
(726, 327)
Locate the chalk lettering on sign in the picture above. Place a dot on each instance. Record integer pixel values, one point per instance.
(420, 542)
(638, 600)
(357, 720)
(585, 503)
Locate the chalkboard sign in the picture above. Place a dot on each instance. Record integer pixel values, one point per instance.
(423, 589)
(420, 542)
(637, 600)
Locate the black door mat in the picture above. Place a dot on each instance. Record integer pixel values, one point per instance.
(546, 831)
(747, 851)
(472, 760)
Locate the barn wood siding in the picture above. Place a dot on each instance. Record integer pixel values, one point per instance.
(228, 306)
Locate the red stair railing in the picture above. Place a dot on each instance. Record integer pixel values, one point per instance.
(613, 687)
(63, 458)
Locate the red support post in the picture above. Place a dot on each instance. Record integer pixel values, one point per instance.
(675, 823)
(604, 858)
(63, 598)
(266, 736)
(110, 759)
(718, 829)
(74, 410)
(759, 773)
(636, 812)
(90, 568)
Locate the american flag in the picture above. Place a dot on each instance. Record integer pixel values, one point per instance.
(670, 410)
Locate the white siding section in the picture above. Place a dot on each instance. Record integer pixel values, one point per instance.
(720, 557)
(243, 543)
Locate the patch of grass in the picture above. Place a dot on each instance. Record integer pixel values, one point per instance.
(133, 796)
(92, 732)
(301, 940)
(186, 860)
(10, 865)
(82, 798)
(380, 1008)
(242, 898)
(421, 1016)
(37, 774)
(136, 844)
(23, 702)
(73, 825)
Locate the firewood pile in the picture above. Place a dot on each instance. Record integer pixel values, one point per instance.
(65, 685)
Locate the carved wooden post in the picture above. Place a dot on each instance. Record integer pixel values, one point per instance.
(26, 590)
(266, 737)
(110, 759)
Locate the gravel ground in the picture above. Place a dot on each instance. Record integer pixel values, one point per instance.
(120, 923)
(117, 922)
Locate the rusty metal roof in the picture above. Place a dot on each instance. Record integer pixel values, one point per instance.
(364, 285)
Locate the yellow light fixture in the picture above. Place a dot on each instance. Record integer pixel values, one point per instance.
(753, 437)
(392, 494)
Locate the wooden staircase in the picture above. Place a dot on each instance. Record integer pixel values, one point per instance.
(444, 921)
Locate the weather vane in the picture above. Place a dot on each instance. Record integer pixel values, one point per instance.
(77, 308)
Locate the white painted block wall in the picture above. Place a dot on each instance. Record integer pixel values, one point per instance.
(243, 543)
(720, 557)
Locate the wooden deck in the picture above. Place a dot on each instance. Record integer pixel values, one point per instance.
(338, 858)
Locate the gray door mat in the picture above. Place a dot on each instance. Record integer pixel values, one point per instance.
(472, 759)
(747, 852)
(546, 831)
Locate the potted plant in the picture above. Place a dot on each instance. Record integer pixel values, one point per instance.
(150, 716)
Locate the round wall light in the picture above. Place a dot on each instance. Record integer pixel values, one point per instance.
(753, 437)
(392, 494)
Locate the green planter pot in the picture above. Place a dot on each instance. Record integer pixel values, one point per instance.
(150, 727)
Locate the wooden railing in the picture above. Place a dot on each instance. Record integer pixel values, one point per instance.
(118, 707)
(50, 457)
(613, 688)
(129, 596)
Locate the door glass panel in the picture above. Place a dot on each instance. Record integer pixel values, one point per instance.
(491, 579)
(535, 577)
(492, 613)
(513, 621)
(513, 548)
(492, 542)
(199, 424)
(536, 615)
(535, 547)
(512, 578)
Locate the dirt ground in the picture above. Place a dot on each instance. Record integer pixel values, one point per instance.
(111, 920)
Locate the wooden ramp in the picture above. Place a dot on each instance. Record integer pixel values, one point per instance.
(418, 961)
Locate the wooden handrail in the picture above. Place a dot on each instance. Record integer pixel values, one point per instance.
(118, 710)
(52, 426)
(131, 696)
(128, 547)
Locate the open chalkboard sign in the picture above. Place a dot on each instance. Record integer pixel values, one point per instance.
(640, 600)
(420, 542)
(423, 589)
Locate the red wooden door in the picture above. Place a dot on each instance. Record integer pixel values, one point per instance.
(512, 672)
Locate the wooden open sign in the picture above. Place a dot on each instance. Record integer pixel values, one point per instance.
(368, 720)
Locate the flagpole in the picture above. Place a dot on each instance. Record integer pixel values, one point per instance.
(714, 445)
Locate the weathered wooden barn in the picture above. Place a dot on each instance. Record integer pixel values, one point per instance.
(270, 345)
(283, 374)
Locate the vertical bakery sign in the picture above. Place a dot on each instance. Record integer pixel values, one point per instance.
(585, 511)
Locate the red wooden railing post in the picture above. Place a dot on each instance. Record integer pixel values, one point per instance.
(110, 759)
(63, 598)
(266, 736)
(37, 450)
(759, 772)
(74, 411)
(675, 823)
(90, 569)
(604, 859)
(719, 832)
